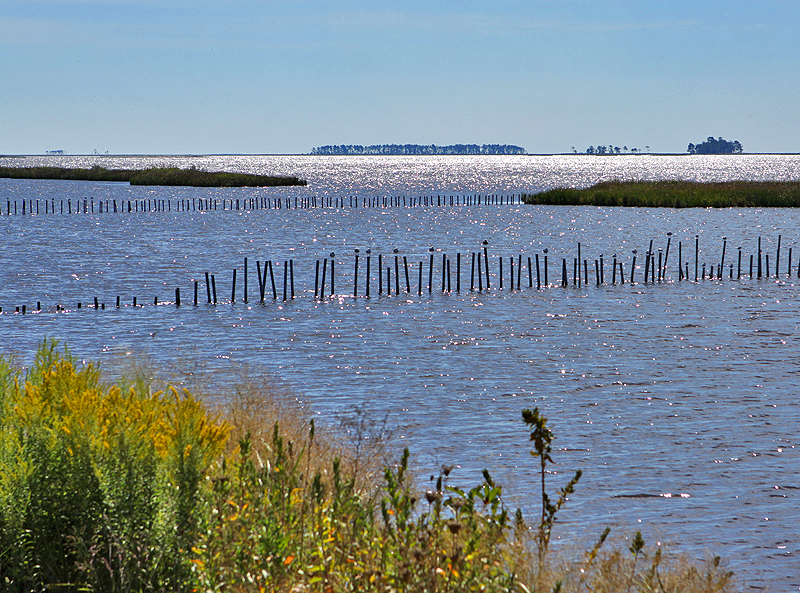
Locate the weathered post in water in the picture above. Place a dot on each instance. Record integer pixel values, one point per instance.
(245, 279)
(696, 255)
(355, 278)
(759, 257)
(739, 272)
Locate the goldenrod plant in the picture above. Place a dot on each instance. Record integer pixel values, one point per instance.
(119, 486)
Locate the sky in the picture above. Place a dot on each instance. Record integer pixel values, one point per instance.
(285, 76)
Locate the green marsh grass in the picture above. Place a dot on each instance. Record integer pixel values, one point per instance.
(125, 486)
(192, 177)
(675, 194)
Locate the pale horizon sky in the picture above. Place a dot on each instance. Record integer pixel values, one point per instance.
(278, 77)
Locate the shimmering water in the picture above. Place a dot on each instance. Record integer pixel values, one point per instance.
(678, 400)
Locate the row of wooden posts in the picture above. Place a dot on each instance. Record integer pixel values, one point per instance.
(394, 273)
(90, 206)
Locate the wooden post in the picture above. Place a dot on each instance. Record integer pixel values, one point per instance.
(368, 265)
(480, 273)
(546, 283)
(430, 275)
(501, 272)
(355, 279)
(759, 257)
(245, 280)
(739, 269)
(486, 263)
(285, 277)
(405, 266)
(538, 277)
(195, 292)
(472, 274)
(396, 275)
(602, 275)
(324, 271)
(530, 273)
(233, 287)
(178, 297)
(696, 254)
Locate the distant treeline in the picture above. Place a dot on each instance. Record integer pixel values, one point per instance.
(191, 177)
(675, 194)
(426, 149)
(715, 146)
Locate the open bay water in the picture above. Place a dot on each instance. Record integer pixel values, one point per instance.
(678, 400)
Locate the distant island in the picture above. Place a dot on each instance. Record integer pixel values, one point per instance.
(718, 146)
(423, 149)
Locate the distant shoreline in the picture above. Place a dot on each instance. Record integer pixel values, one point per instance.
(292, 154)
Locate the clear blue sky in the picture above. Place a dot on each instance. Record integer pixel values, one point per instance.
(275, 76)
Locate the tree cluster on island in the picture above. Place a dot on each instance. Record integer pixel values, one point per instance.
(416, 149)
(715, 146)
(611, 149)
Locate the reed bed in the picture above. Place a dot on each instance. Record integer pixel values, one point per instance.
(125, 487)
(192, 177)
(675, 194)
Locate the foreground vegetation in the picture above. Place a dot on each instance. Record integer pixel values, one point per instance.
(154, 176)
(675, 194)
(122, 487)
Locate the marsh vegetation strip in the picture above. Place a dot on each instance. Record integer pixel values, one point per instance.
(191, 177)
(675, 194)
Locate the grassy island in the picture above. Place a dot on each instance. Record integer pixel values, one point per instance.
(675, 194)
(133, 485)
(154, 176)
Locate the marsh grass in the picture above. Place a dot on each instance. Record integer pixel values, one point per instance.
(192, 177)
(675, 194)
(136, 486)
